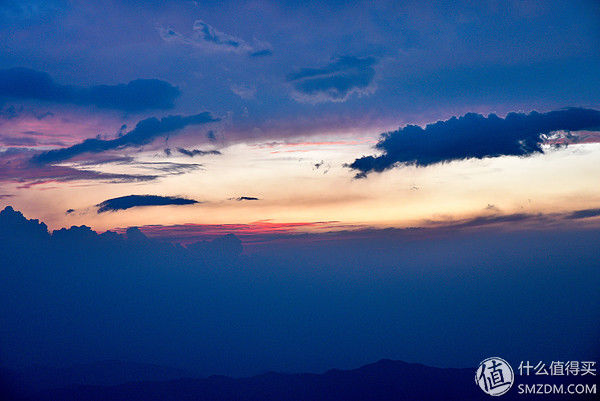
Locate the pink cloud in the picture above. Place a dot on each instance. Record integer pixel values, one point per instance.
(251, 233)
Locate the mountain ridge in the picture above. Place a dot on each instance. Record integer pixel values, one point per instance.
(383, 380)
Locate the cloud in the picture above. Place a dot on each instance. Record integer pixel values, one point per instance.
(208, 38)
(68, 279)
(473, 136)
(137, 95)
(127, 202)
(23, 141)
(205, 32)
(29, 139)
(584, 214)
(15, 166)
(261, 53)
(492, 207)
(168, 167)
(245, 92)
(101, 159)
(198, 152)
(486, 220)
(266, 231)
(246, 198)
(12, 112)
(254, 232)
(144, 132)
(335, 82)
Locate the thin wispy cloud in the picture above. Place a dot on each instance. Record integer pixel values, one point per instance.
(15, 167)
(206, 37)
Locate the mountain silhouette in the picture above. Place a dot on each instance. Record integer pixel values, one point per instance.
(385, 380)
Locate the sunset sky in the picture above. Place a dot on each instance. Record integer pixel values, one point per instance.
(240, 187)
(265, 114)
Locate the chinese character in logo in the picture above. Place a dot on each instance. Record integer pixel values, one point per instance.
(525, 367)
(572, 368)
(588, 368)
(494, 376)
(540, 368)
(557, 368)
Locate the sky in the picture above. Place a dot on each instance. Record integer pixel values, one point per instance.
(396, 176)
(291, 101)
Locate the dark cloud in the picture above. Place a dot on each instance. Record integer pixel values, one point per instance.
(336, 81)
(137, 95)
(246, 198)
(144, 132)
(127, 202)
(197, 152)
(584, 214)
(69, 211)
(261, 53)
(480, 221)
(473, 136)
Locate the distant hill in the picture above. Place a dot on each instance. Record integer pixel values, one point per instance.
(103, 373)
(385, 380)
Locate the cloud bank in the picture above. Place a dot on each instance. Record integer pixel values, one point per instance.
(473, 136)
(137, 95)
(335, 82)
(584, 214)
(144, 132)
(127, 202)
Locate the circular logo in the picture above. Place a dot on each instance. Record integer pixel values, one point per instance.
(494, 376)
